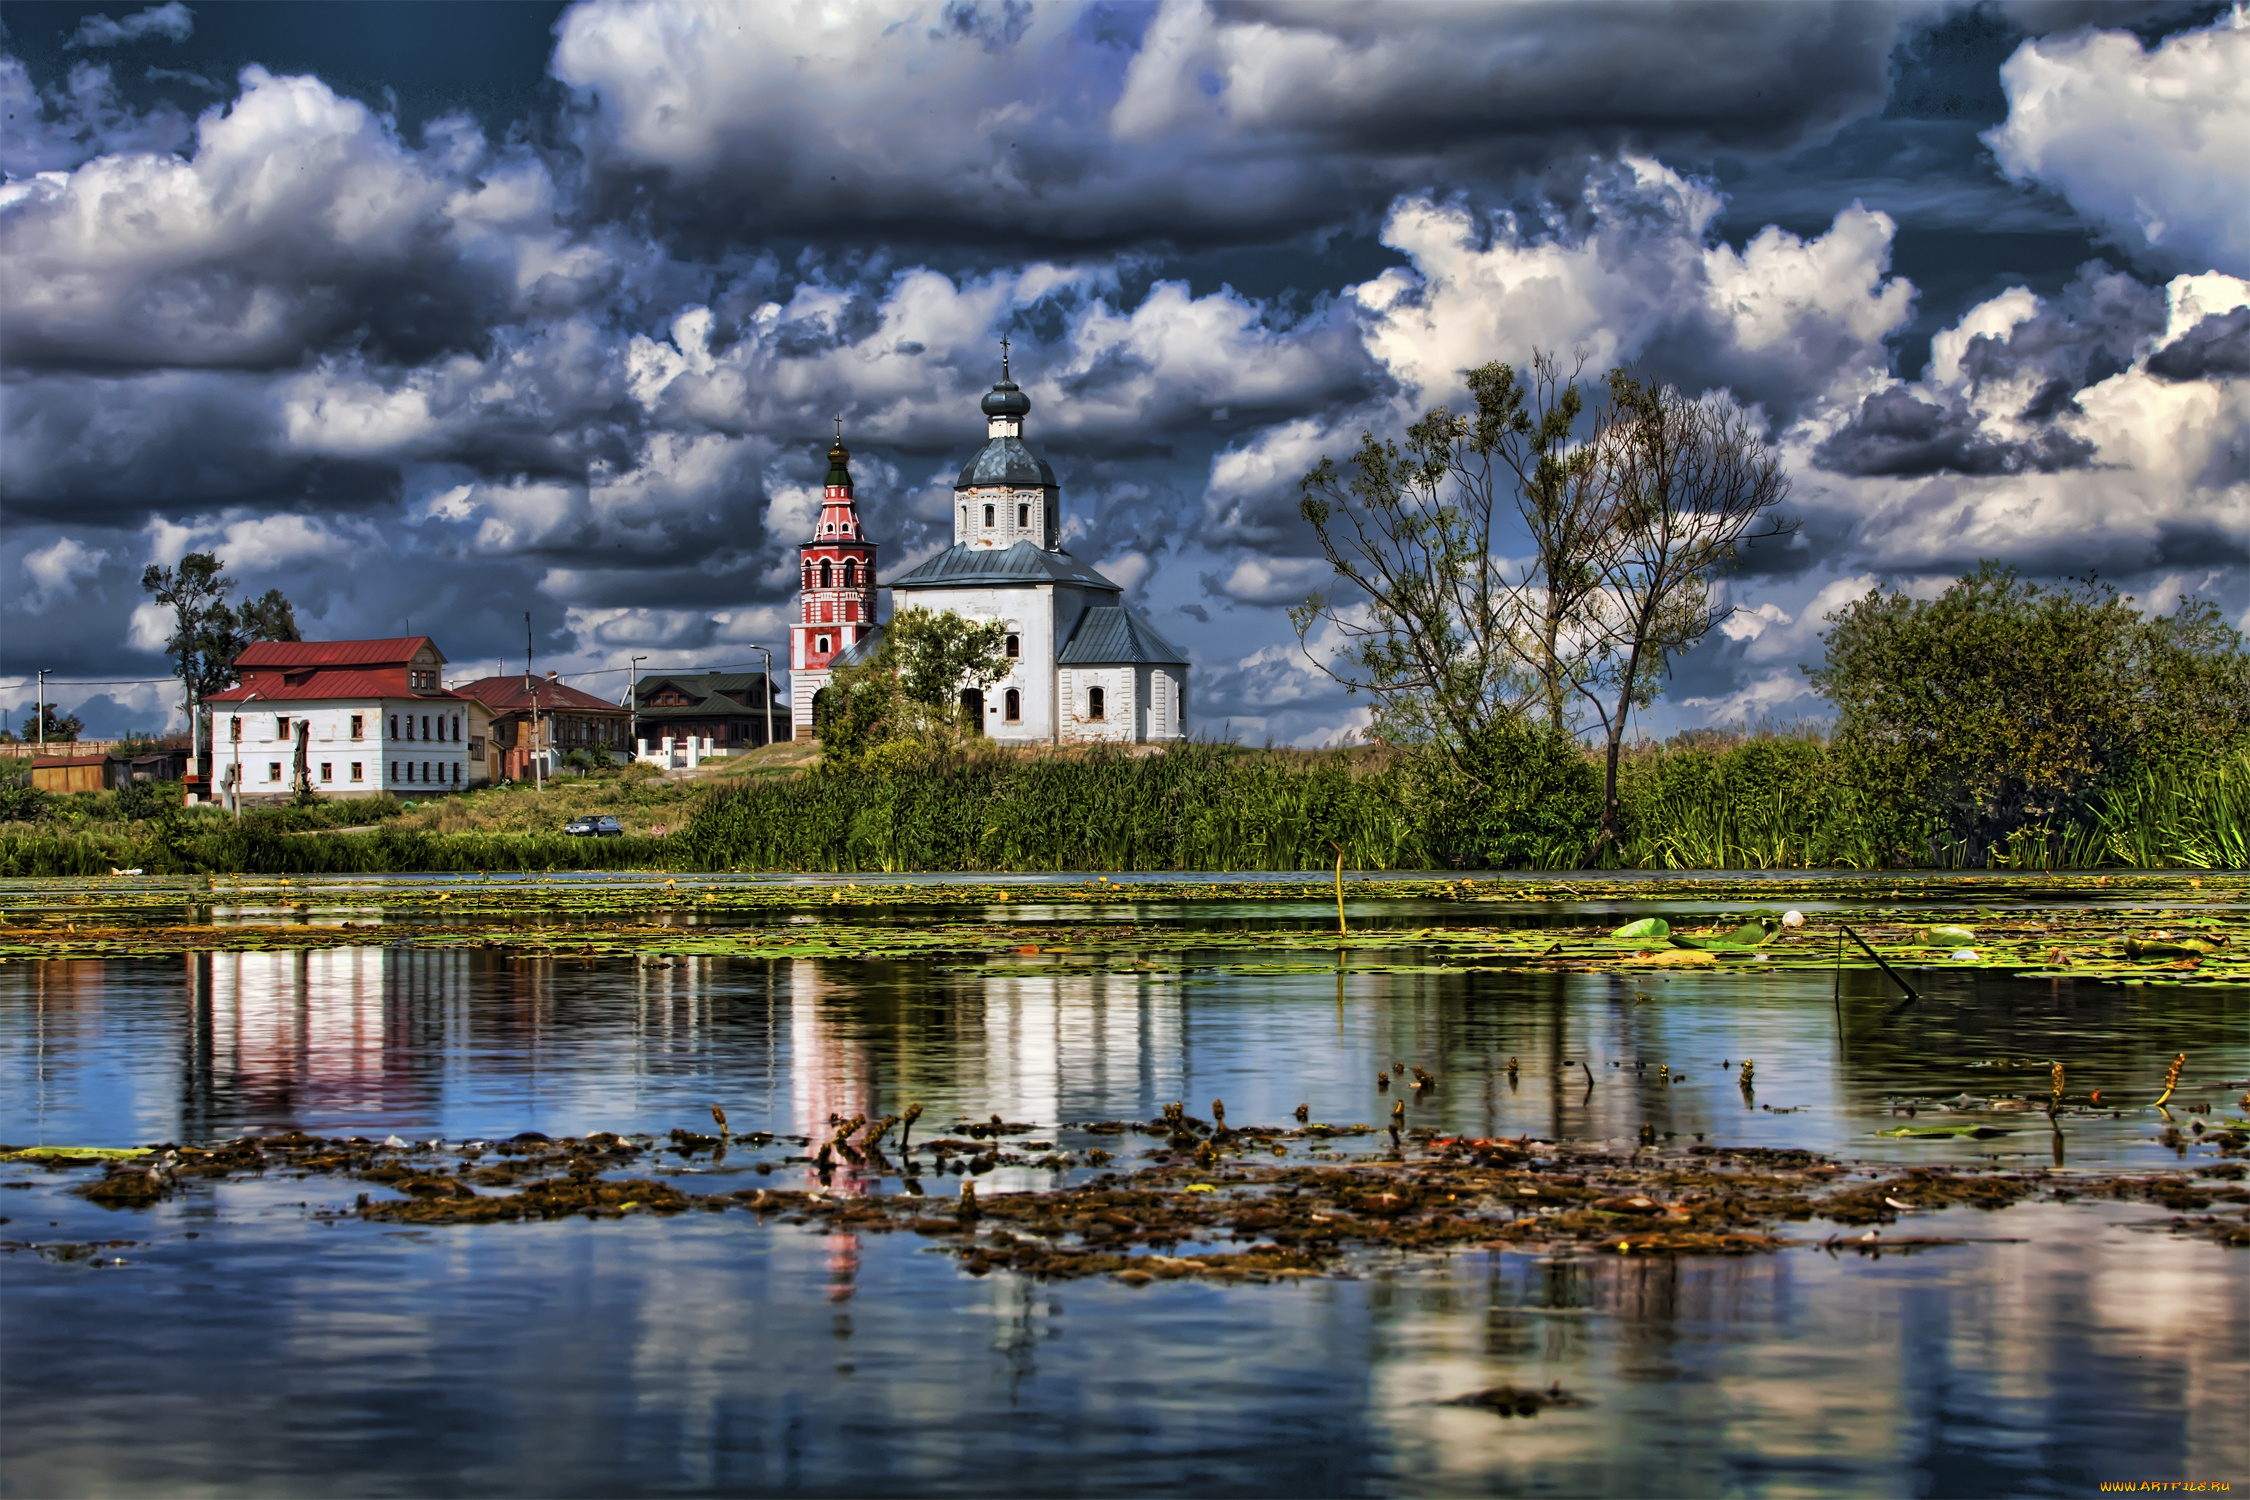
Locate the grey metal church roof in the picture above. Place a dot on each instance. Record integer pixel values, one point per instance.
(860, 652)
(1006, 460)
(1116, 633)
(959, 566)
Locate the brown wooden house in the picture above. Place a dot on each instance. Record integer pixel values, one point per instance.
(543, 719)
(730, 709)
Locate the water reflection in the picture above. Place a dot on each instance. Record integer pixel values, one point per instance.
(711, 1354)
(430, 1041)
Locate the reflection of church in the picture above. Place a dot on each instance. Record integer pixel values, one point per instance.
(1083, 665)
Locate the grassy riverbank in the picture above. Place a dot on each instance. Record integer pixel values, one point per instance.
(1768, 801)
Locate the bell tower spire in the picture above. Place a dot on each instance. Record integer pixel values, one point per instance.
(836, 600)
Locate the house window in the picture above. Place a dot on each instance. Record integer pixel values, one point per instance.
(327, 771)
(234, 726)
(359, 726)
(394, 726)
(356, 770)
(273, 770)
(851, 574)
(1015, 647)
(456, 773)
(825, 574)
(1012, 703)
(281, 726)
(457, 729)
(426, 726)
(988, 518)
(1023, 518)
(1094, 703)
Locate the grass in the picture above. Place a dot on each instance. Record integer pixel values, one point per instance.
(1749, 800)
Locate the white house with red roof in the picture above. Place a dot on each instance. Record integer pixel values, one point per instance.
(364, 716)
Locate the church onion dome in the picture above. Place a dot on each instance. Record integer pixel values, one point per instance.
(839, 464)
(1006, 399)
(1006, 461)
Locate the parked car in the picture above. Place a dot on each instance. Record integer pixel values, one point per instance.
(604, 827)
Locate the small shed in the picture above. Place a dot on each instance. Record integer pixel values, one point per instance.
(78, 773)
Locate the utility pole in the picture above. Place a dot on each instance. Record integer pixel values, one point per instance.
(766, 688)
(633, 701)
(538, 779)
(43, 671)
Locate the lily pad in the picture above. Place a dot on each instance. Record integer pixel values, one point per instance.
(1646, 927)
(73, 1153)
(1950, 935)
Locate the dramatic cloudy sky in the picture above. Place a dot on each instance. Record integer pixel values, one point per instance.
(433, 315)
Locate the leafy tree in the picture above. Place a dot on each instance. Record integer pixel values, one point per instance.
(207, 633)
(20, 801)
(1452, 642)
(54, 727)
(1685, 483)
(1998, 710)
(192, 591)
(910, 692)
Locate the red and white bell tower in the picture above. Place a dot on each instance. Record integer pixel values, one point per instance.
(837, 603)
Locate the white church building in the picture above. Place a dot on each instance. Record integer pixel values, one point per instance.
(1083, 665)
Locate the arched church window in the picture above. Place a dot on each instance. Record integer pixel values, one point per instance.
(1013, 702)
(851, 574)
(1094, 703)
(820, 644)
(1015, 647)
(1023, 518)
(808, 573)
(825, 575)
(988, 517)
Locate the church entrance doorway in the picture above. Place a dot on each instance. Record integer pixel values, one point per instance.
(972, 710)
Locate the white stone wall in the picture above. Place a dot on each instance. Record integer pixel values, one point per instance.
(1120, 705)
(384, 750)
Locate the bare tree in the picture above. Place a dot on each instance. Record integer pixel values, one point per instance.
(1685, 483)
(1436, 626)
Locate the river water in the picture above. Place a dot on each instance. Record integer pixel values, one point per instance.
(246, 1341)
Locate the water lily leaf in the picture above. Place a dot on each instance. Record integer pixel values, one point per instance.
(1678, 958)
(1646, 927)
(1950, 936)
(73, 1153)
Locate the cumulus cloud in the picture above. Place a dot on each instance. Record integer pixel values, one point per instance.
(54, 570)
(298, 219)
(171, 20)
(2146, 144)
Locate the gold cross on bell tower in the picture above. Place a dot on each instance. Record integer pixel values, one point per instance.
(1003, 356)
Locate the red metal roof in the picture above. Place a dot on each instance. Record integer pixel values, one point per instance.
(507, 695)
(52, 762)
(386, 653)
(333, 683)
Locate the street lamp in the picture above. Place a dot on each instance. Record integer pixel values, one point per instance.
(43, 671)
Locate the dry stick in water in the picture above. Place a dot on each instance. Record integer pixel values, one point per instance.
(2054, 1091)
(1886, 968)
(1341, 929)
(913, 1113)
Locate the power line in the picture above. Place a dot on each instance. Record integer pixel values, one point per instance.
(114, 682)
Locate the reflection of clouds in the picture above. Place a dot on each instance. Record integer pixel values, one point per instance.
(1970, 1370)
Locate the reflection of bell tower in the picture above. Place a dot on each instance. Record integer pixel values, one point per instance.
(837, 583)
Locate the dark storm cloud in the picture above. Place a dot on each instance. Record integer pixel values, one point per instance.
(1895, 433)
(2217, 347)
(1240, 124)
